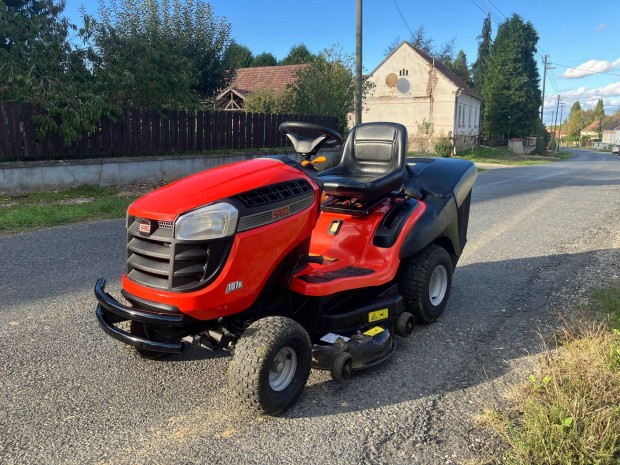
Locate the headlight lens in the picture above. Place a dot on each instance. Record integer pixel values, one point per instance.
(211, 222)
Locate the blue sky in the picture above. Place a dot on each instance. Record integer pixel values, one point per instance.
(578, 36)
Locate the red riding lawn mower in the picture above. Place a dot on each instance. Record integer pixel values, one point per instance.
(292, 269)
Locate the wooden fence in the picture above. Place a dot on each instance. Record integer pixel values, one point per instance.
(141, 131)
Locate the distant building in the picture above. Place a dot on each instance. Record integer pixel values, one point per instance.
(611, 133)
(414, 89)
(591, 130)
(249, 80)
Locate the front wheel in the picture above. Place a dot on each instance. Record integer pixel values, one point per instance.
(271, 364)
(424, 281)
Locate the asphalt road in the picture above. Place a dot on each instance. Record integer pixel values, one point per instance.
(539, 238)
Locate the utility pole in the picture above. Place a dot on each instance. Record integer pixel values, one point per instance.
(556, 119)
(358, 62)
(541, 130)
(560, 129)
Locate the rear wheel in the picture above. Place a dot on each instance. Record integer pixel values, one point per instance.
(271, 364)
(424, 281)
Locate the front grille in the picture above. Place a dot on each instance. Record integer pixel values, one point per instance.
(158, 260)
(275, 193)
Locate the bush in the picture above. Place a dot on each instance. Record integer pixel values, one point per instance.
(443, 147)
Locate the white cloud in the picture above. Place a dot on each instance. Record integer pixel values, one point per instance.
(589, 67)
(602, 27)
(587, 97)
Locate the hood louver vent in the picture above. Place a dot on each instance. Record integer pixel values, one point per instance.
(275, 193)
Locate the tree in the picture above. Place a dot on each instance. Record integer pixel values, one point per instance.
(267, 100)
(511, 81)
(154, 54)
(459, 67)
(599, 116)
(39, 65)
(575, 122)
(420, 40)
(238, 56)
(298, 54)
(480, 66)
(324, 87)
(264, 59)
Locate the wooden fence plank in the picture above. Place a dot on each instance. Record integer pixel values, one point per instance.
(15, 146)
(191, 130)
(221, 130)
(243, 137)
(200, 130)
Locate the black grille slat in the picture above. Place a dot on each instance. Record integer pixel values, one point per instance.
(192, 254)
(149, 265)
(147, 279)
(275, 193)
(193, 270)
(149, 249)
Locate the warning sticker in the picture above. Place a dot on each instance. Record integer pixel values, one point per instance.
(378, 315)
(374, 331)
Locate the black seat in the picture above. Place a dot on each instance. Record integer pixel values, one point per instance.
(373, 162)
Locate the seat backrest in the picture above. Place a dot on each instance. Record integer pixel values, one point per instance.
(375, 148)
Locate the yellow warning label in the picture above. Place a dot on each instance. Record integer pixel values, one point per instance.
(374, 331)
(378, 315)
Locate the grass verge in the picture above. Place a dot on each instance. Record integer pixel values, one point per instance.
(503, 156)
(569, 410)
(43, 209)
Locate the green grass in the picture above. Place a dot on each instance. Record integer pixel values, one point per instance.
(608, 300)
(568, 412)
(500, 156)
(43, 209)
(503, 156)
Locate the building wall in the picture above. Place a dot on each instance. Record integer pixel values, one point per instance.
(420, 95)
(611, 137)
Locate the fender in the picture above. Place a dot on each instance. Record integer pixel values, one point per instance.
(439, 221)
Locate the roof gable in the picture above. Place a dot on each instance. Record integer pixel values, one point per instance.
(438, 65)
(248, 80)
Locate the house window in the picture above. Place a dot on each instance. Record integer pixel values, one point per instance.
(458, 119)
(403, 72)
(469, 117)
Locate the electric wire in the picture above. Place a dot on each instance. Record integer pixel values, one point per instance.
(403, 18)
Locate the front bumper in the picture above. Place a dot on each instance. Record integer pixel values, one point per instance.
(110, 311)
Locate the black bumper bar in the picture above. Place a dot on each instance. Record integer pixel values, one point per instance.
(110, 311)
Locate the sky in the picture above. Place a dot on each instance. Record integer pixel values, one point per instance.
(581, 39)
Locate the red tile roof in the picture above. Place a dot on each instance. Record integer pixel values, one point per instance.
(592, 127)
(248, 80)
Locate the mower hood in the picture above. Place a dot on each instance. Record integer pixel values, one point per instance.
(186, 194)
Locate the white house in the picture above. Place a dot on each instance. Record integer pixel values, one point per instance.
(414, 89)
(611, 133)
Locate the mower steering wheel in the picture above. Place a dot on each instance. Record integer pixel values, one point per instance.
(306, 146)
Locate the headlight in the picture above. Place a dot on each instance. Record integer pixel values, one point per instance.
(211, 222)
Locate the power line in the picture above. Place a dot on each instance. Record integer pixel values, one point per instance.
(404, 20)
(587, 70)
(497, 9)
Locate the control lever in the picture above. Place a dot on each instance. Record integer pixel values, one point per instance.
(410, 193)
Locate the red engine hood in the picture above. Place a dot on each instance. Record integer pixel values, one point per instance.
(209, 186)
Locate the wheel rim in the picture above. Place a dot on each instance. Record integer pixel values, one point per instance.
(438, 285)
(282, 369)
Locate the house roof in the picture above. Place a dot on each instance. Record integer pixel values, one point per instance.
(439, 66)
(248, 80)
(592, 127)
(613, 126)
